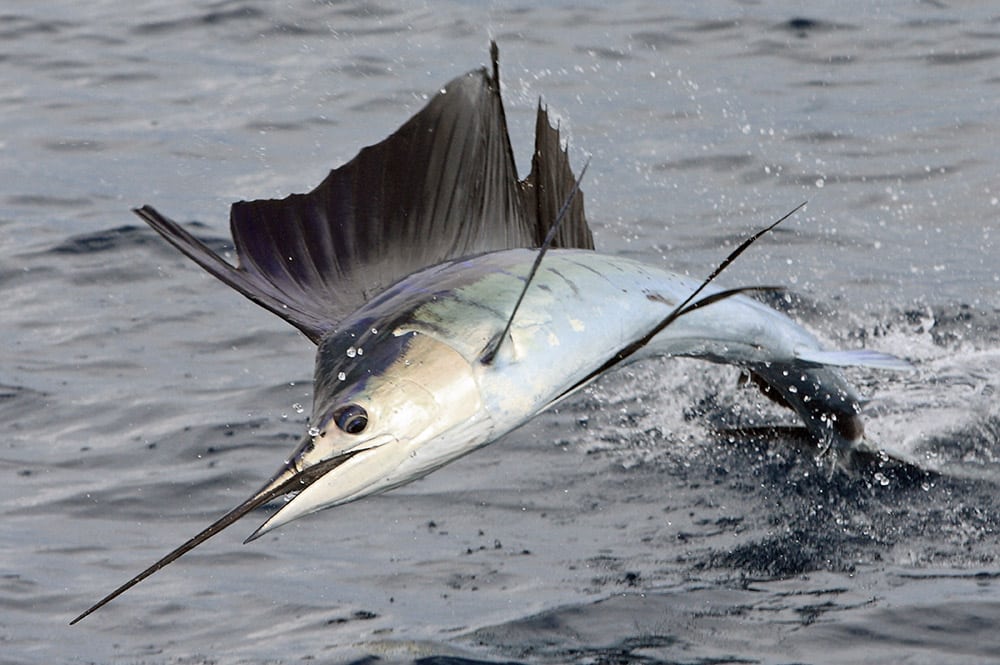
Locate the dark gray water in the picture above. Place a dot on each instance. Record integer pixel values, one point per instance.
(141, 399)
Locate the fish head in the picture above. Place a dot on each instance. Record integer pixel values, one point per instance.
(389, 406)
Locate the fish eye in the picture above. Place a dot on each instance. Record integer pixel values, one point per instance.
(351, 418)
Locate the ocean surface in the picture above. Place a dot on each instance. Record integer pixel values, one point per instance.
(662, 516)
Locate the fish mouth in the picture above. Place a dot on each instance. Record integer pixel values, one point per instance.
(299, 476)
(293, 480)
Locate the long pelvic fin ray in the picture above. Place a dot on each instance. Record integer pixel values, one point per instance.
(689, 305)
(491, 351)
(680, 309)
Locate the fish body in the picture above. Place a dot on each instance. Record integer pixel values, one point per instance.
(404, 267)
(580, 309)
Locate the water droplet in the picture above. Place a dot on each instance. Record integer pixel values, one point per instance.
(313, 432)
(351, 352)
(342, 376)
(297, 408)
(361, 351)
(374, 331)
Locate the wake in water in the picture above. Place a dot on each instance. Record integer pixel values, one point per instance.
(758, 544)
(943, 418)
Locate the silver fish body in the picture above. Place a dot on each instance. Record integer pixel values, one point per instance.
(580, 309)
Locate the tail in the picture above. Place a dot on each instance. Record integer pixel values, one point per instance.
(828, 405)
(818, 392)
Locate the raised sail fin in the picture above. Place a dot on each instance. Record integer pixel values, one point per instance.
(443, 186)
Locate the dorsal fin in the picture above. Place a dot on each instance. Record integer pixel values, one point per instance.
(443, 186)
(548, 187)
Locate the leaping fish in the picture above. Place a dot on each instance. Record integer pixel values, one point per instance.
(404, 266)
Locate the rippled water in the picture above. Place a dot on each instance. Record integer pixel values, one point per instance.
(141, 399)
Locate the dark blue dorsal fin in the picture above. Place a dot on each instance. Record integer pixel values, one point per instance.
(443, 186)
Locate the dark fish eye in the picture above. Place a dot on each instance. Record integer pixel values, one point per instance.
(351, 418)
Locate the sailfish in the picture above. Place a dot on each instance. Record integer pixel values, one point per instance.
(451, 302)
